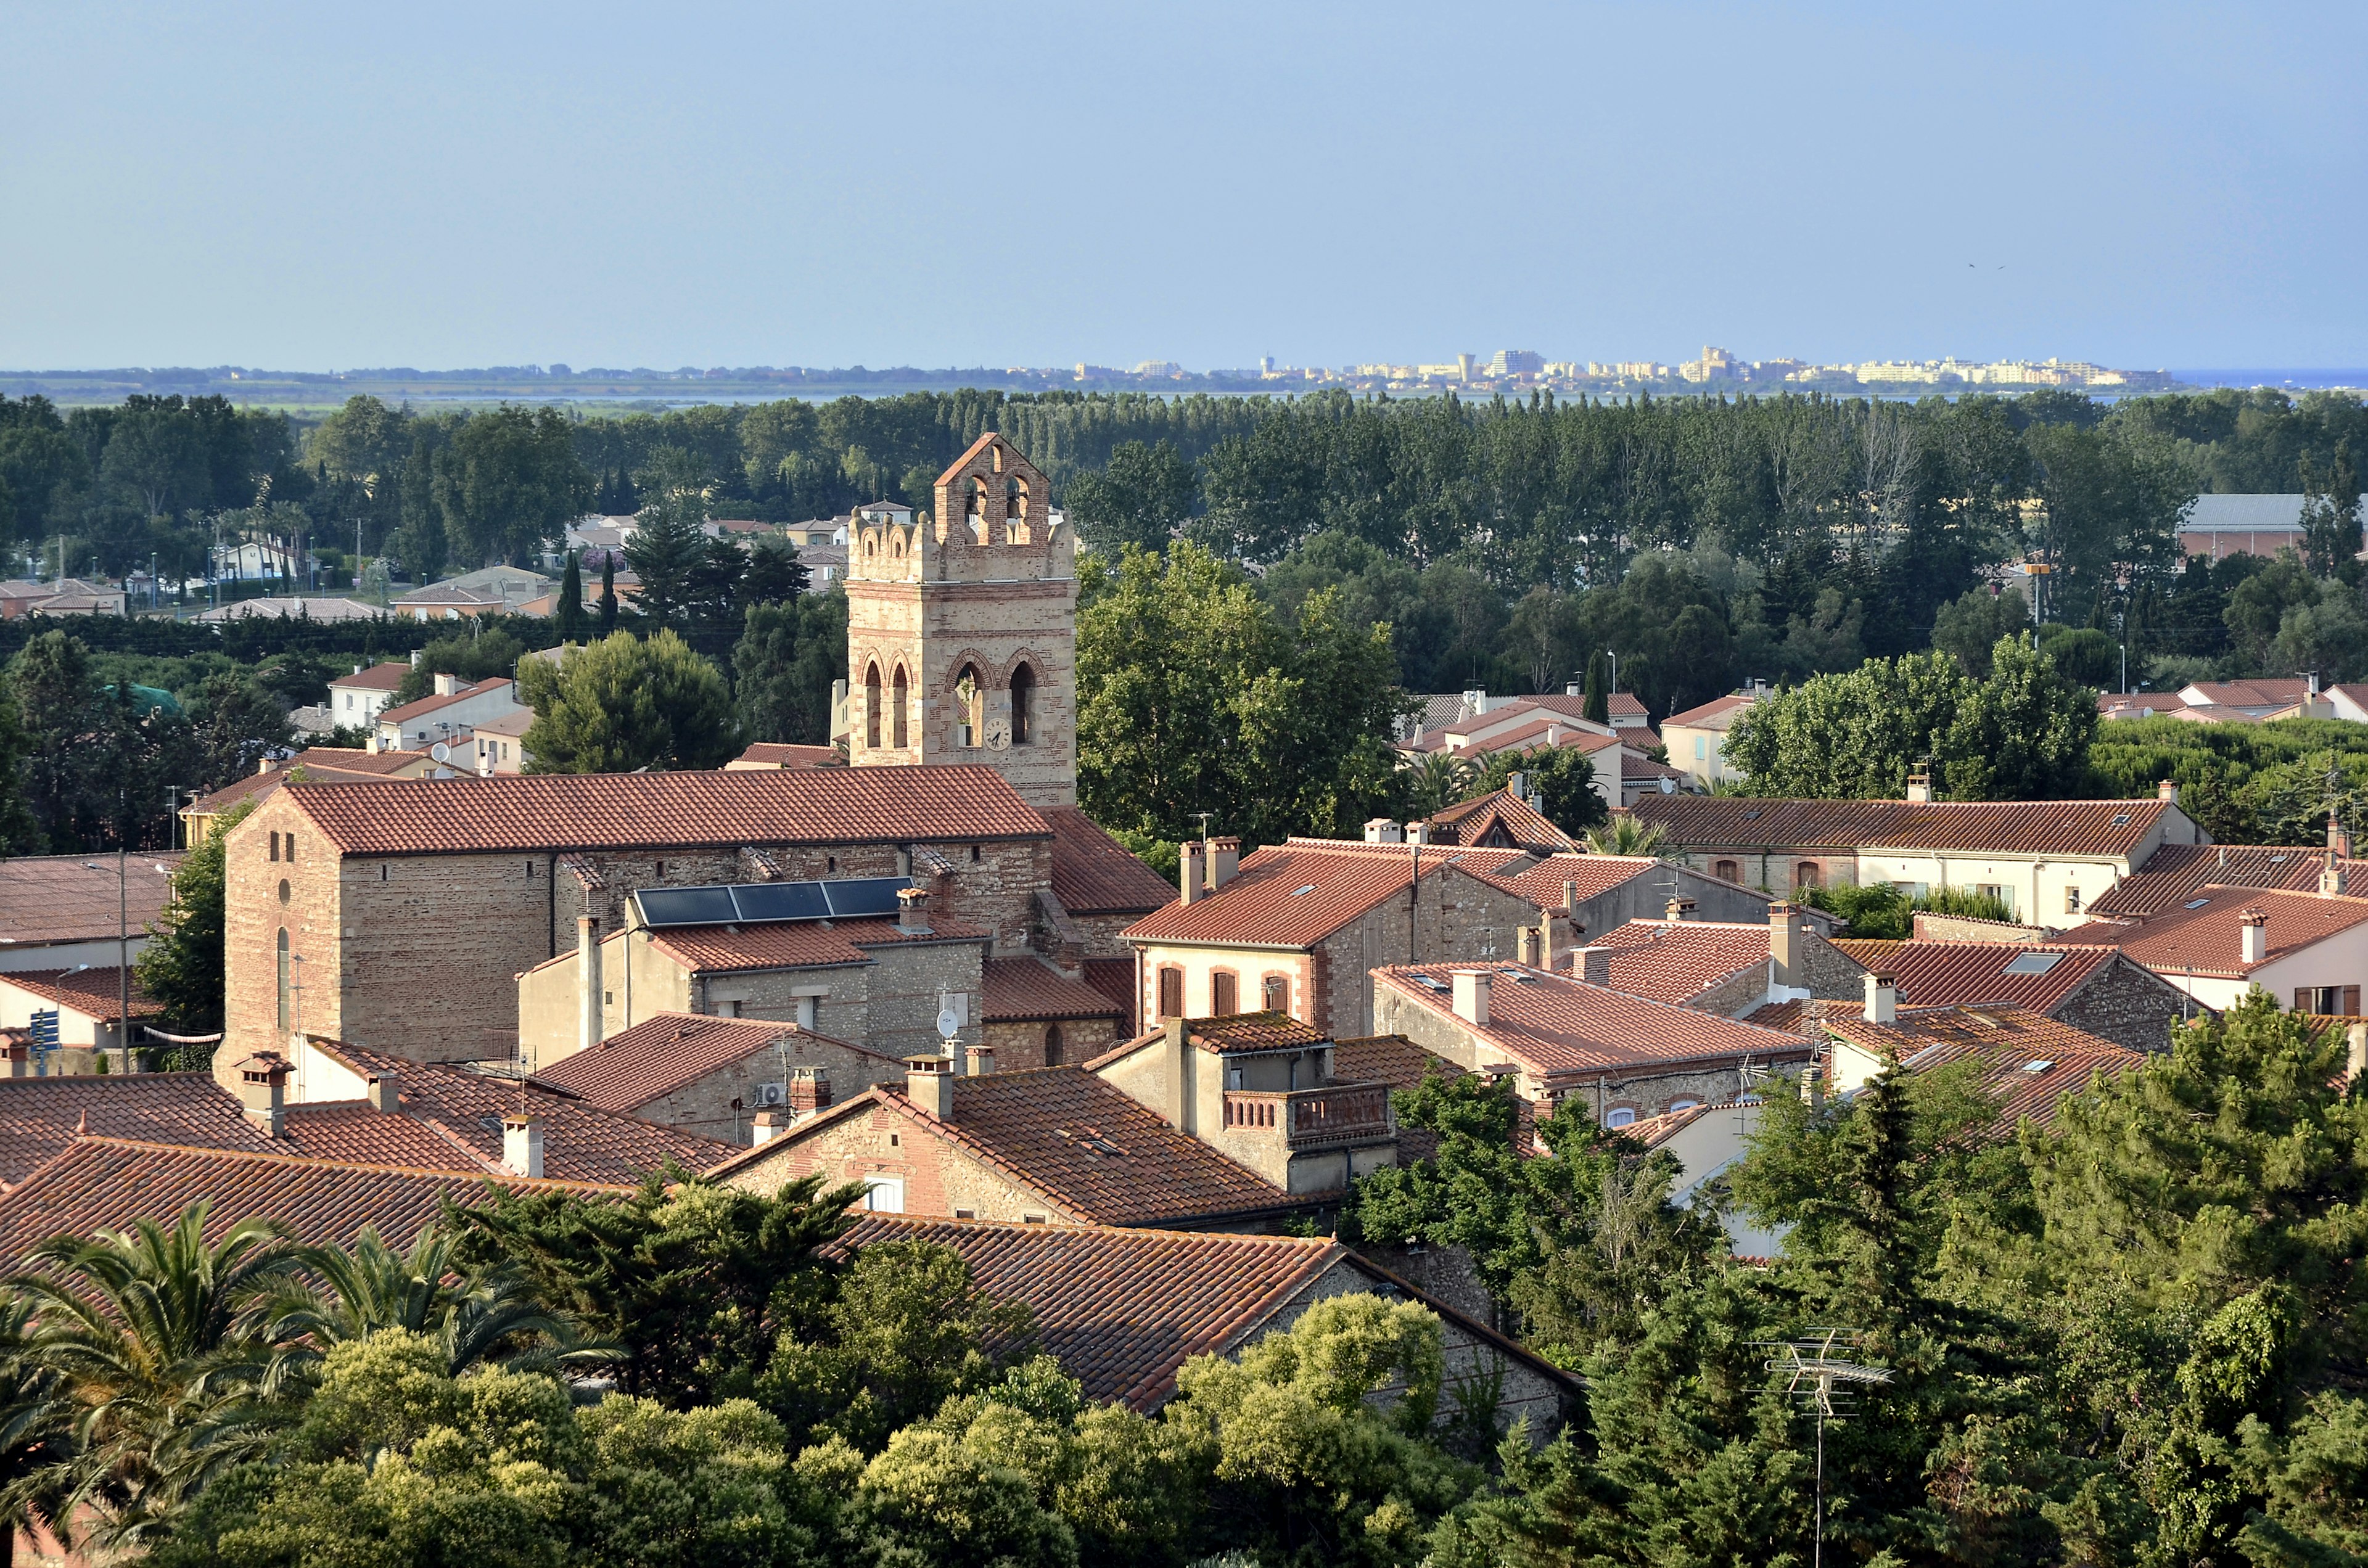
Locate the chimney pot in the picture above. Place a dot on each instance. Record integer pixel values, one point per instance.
(1381, 830)
(262, 1092)
(1680, 908)
(2252, 935)
(1417, 832)
(982, 1060)
(1192, 879)
(1224, 859)
(522, 1144)
(809, 1092)
(929, 1084)
(2168, 791)
(1882, 998)
(1920, 787)
(913, 910)
(1471, 995)
(767, 1125)
(1573, 688)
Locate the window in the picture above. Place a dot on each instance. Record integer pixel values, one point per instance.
(1675, 1105)
(1619, 1116)
(1171, 992)
(969, 697)
(871, 705)
(1224, 994)
(965, 1213)
(1023, 704)
(899, 704)
(283, 890)
(275, 849)
(1701, 748)
(1805, 875)
(291, 848)
(2071, 900)
(728, 1008)
(975, 510)
(283, 978)
(1278, 994)
(1032, 1219)
(806, 1008)
(1052, 1045)
(2033, 963)
(884, 1195)
(1728, 870)
(1015, 510)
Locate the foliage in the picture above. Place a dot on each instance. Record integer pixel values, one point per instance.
(182, 967)
(1561, 781)
(1879, 911)
(1138, 498)
(1623, 835)
(627, 703)
(2244, 783)
(785, 665)
(479, 655)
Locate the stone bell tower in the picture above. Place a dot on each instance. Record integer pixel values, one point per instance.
(961, 629)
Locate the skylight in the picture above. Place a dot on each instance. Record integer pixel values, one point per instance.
(1308, 889)
(2197, 903)
(2033, 964)
(2121, 819)
(2039, 1064)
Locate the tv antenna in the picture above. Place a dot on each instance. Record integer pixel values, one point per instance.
(1820, 1376)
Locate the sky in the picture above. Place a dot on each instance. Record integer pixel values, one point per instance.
(306, 187)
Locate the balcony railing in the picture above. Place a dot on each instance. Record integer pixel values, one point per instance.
(1339, 1113)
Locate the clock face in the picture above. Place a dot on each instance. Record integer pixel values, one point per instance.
(998, 733)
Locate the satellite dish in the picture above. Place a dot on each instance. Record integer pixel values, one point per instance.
(1668, 786)
(440, 752)
(949, 1022)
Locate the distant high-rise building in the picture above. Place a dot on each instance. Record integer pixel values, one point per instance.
(1516, 362)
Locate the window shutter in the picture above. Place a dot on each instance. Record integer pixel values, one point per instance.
(2351, 1001)
(2302, 999)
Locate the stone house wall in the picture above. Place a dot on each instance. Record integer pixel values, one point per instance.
(1020, 1042)
(2127, 1003)
(940, 1179)
(705, 1105)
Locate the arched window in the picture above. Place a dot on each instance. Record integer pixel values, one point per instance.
(1728, 870)
(1805, 874)
(283, 979)
(1023, 698)
(975, 510)
(897, 698)
(871, 705)
(1278, 994)
(1052, 1045)
(1015, 510)
(1619, 1116)
(969, 704)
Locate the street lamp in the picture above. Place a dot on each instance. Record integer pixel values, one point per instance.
(122, 944)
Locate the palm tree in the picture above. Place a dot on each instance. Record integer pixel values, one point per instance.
(1623, 835)
(159, 1357)
(32, 1433)
(371, 1288)
(1439, 781)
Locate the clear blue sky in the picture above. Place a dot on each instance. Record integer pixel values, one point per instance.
(317, 186)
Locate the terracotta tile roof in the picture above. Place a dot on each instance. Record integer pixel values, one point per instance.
(57, 898)
(1499, 816)
(106, 1183)
(426, 705)
(2151, 701)
(38, 1117)
(2001, 827)
(1389, 1059)
(1124, 1308)
(1675, 960)
(2205, 942)
(1634, 767)
(2031, 1064)
(258, 787)
(581, 1141)
(796, 944)
(1297, 893)
(719, 808)
(1715, 714)
(1806, 1019)
(769, 754)
(1093, 873)
(378, 677)
(1036, 1126)
(93, 993)
(662, 1054)
(2273, 691)
(1941, 974)
(1114, 978)
(2177, 872)
(1554, 1026)
(1028, 988)
(1541, 884)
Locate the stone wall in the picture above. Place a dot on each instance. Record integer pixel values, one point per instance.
(1460, 919)
(1021, 1042)
(939, 1179)
(705, 1105)
(2127, 1003)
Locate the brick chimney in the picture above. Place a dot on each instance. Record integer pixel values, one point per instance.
(929, 1084)
(1882, 998)
(809, 1092)
(982, 1060)
(1473, 987)
(591, 1024)
(1192, 881)
(2252, 935)
(1784, 943)
(2339, 837)
(262, 1092)
(913, 910)
(1224, 859)
(2166, 793)
(522, 1144)
(1919, 789)
(1592, 965)
(386, 1091)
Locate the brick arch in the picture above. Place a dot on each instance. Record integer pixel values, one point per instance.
(990, 677)
(1003, 673)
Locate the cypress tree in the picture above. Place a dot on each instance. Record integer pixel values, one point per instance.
(608, 593)
(571, 602)
(1598, 702)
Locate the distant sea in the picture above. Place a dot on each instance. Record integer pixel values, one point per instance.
(2301, 380)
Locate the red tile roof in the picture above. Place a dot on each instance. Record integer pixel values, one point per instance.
(93, 993)
(1114, 978)
(769, 754)
(1093, 873)
(662, 1054)
(58, 898)
(1541, 884)
(1039, 1126)
(107, 1183)
(259, 786)
(719, 809)
(796, 944)
(1028, 988)
(425, 705)
(1806, 1019)
(1121, 1309)
(2177, 872)
(1297, 893)
(1555, 1026)
(1715, 714)
(2002, 827)
(378, 677)
(1677, 961)
(2204, 940)
(2031, 1064)
(1497, 817)
(1939, 974)
(38, 1117)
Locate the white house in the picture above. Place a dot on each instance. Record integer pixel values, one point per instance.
(2308, 949)
(450, 714)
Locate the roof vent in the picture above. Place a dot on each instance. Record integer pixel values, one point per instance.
(1297, 892)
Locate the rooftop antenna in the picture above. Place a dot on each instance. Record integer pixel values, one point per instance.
(1819, 1376)
(1204, 817)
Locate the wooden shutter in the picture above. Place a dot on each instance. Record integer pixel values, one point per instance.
(2304, 998)
(1225, 998)
(1171, 992)
(2351, 1001)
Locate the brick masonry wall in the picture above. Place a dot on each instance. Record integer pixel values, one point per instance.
(1020, 1043)
(255, 915)
(2127, 1003)
(1460, 919)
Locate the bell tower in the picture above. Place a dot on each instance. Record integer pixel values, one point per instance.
(961, 629)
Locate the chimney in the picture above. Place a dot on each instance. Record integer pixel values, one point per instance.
(1533, 946)
(386, 1093)
(1179, 1073)
(1813, 1083)
(2313, 678)
(2333, 878)
(1475, 703)
(522, 1144)
(262, 1092)
(263, 764)
(929, 1084)
(1517, 784)
(447, 684)
(913, 910)
(1570, 897)
(1783, 943)
(371, 744)
(1471, 989)
(809, 1092)
(1553, 734)
(1592, 965)
(414, 658)
(1194, 883)
(357, 669)
(20, 1059)
(1919, 789)
(2168, 791)
(767, 1125)
(2339, 837)
(1680, 908)
(1381, 830)
(2355, 1056)
(591, 1023)
(982, 1061)
(1418, 832)
(2252, 933)
(1882, 998)
(1224, 859)
(1573, 688)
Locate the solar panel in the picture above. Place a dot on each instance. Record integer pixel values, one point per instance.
(754, 904)
(857, 897)
(781, 900)
(2033, 964)
(687, 906)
